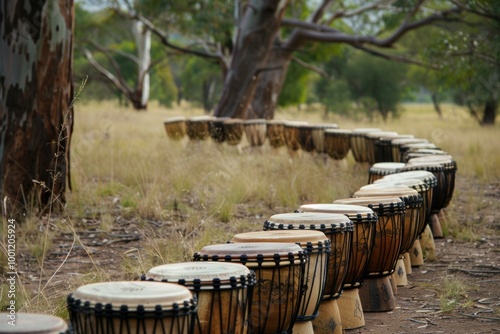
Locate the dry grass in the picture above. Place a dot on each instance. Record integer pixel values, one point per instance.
(180, 196)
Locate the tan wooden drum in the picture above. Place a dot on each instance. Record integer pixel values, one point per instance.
(359, 145)
(198, 127)
(233, 131)
(381, 169)
(132, 307)
(275, 132)
(318, 135)
(279, 271)
(305, 137)
(377, 294)
(317, 246)
(221, 290)
(364, 224)
(338, 228)
(255, 131)
(216, 126)
(32, 323)
(292, 135)
(383, 147)
(337, 143)
(175, 127)
(397, 143)
(404, 149)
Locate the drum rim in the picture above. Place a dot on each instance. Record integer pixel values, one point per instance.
(379, 204)
(321, 217)
(38, 323)
(301, 237)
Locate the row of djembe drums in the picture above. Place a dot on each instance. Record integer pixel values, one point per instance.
(316, 270)
(368, 145)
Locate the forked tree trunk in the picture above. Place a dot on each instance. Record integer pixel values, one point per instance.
(490, 111)
(36, 91)
(256, 32)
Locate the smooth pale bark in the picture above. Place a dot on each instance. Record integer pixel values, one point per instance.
(142, 37)
(36, 92)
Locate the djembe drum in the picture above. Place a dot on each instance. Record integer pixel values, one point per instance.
(398, 142)
(255, 131)
(275, 132)
(337, 143)
(411, 223)
(233, 131)
(383, 147)
(404, 149)
(292, 135)
(415, 253)
(198, 127)
(338, 228)
(175, 127)
(221, 289)
(216, 126)
(32, 323)
(279, 273)
(424, 152)
(373, 137)
(305, 137)
(358, 143)
(318, 248)
(318, 135)
(380, 169)
(132, 307)
(364, 223)
(426, 239)
(377, 294)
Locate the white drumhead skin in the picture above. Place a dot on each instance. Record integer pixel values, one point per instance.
(295, 236)
(382, 189)
(31, 323)
(417, 174)
(133, 293)
(431, 158)
(383, 166)
(200, 118)
(364, 130)
(342, 131)
(204, 271)
(373, 200)
(345, 209)
(251, 249)
(400, 181)
(175, 119)
(378, 134)
(308, 218)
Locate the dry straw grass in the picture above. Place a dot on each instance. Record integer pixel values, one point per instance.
(179, 196)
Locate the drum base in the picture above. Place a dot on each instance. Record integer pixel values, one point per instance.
(303, 327)
(394, 286)
(407, 262)
(428, 245)
(328, 320)
(416, 255)
(376, 295)
(399, 275)
(351, 310)
(437, 232)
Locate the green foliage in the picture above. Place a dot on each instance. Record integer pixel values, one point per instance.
(163, 88)
(295, 88)
(201, 81)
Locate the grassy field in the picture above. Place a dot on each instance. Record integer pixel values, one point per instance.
(178, 196)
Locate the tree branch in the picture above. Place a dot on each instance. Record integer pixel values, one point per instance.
(357, 11)
(395, 58)
(318, 14)
(311, 67)
(113, 62)
(476, 12)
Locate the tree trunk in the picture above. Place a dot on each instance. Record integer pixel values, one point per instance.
(435, 102)
(257, 30)
(490, 110)
(269, 85)
(142, 37)
(36, 92)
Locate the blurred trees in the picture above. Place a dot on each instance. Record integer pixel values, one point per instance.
(245, 58)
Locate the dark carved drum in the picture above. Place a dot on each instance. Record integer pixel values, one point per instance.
(275, 132)
(198, 127)
(221, 290)
(305, 137)
(381, 169)
(358, 143)
(279, 272)
(318, 247)
(337, 143)
(364, 223)
(404, 149)
(233, 131)
(175, 127)
(371, 139)
(397, 143)
(383, 147)
(293, 135)
(217, 132)
(32, 323)
(255, 131)
(132, 307)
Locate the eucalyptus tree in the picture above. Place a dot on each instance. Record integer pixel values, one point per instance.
(36, 94)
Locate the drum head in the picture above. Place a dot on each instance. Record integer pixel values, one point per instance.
(250, 249)
(313, 220)
(343, 209)
(374, 202)
(365, 130)
(31, 323)
(386, 166)
(295, 236)
(206, 272)
(175, 119)
(378, 134)
(133, 294)
(338, 131)
(412, 183)
(440, 159)
(383, 189)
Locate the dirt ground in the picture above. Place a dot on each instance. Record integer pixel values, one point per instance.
(477, 264)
